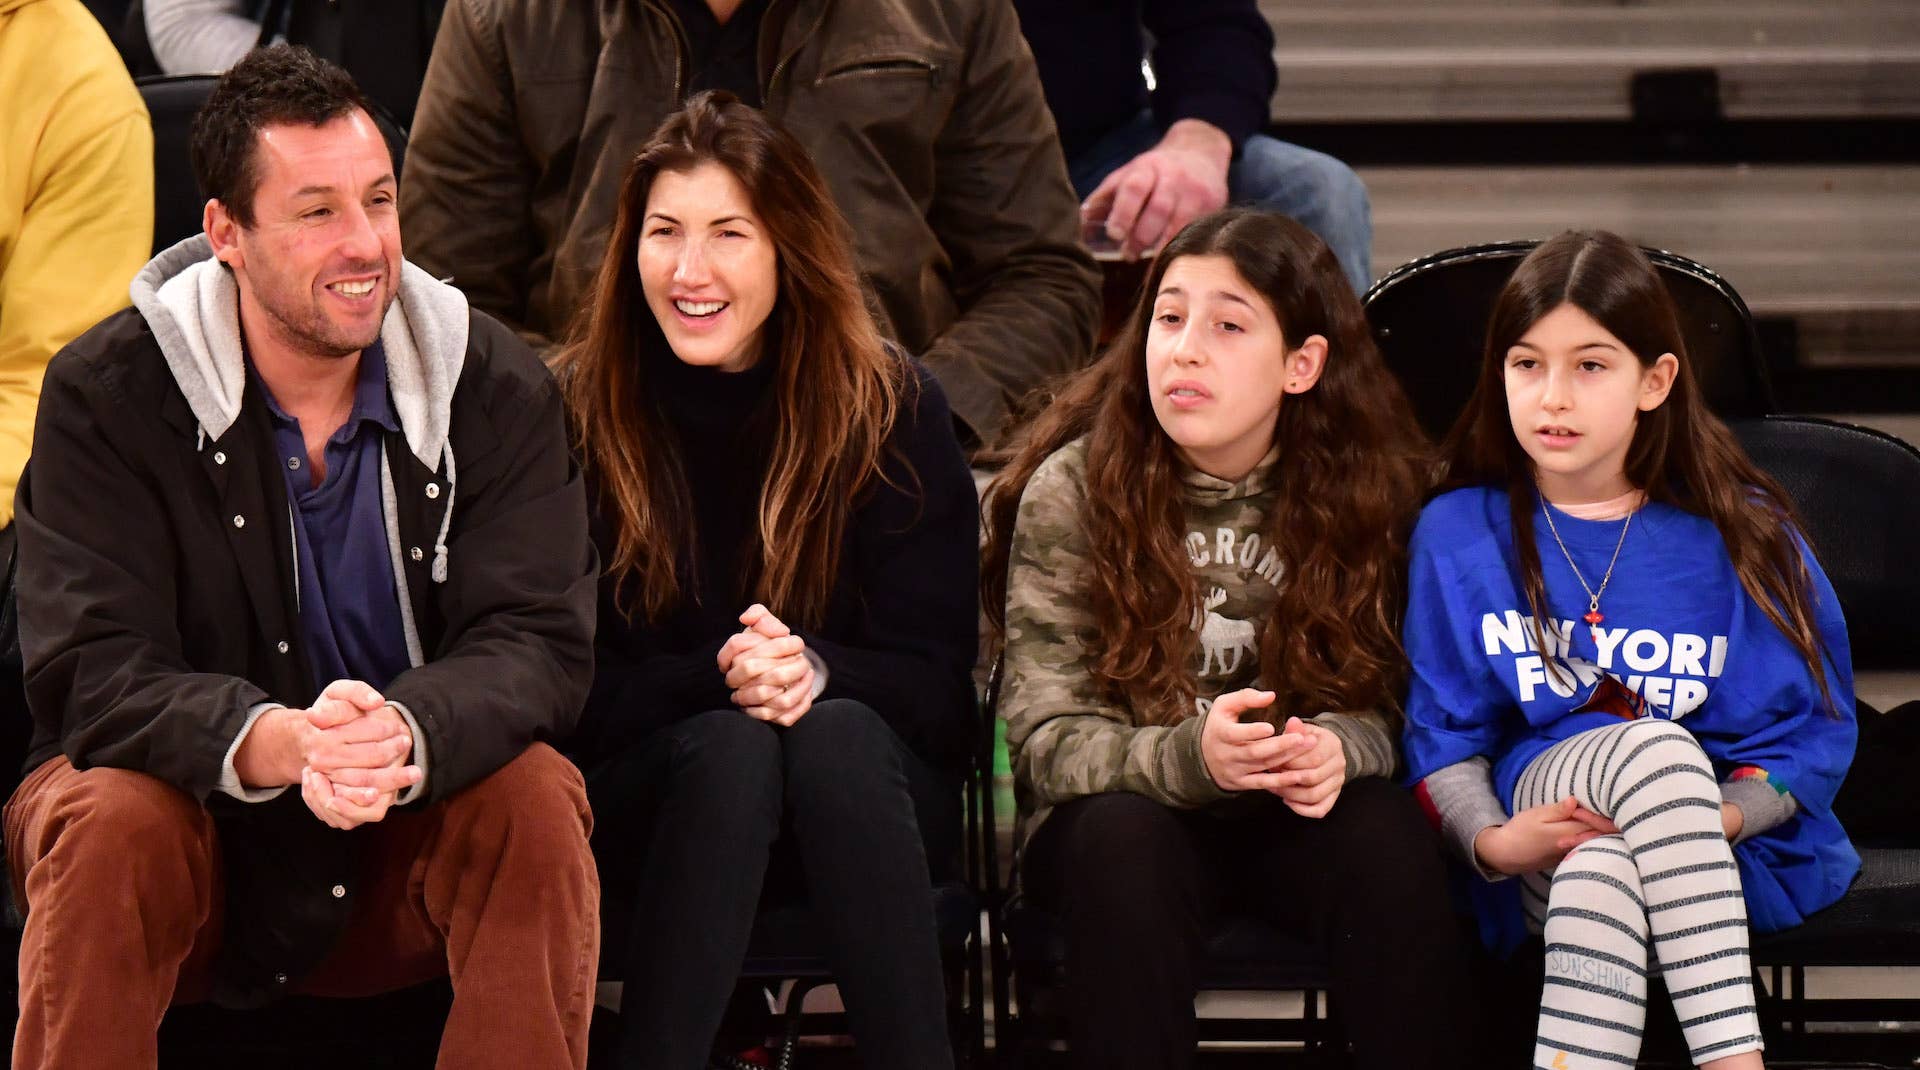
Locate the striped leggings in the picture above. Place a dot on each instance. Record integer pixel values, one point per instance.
(1664, 888)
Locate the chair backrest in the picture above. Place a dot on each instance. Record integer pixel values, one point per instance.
(1430, 320)
(983, 840)
(177, 199)
(1857, 492)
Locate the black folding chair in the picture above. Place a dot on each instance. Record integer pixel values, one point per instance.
(1429, 318)
(788, 946)
(1858, 494)
(1243, 954)
(787, 949)
(178, 201)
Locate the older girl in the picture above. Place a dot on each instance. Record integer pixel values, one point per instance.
(1196, 561)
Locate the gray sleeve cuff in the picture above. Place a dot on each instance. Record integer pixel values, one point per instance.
(819, 671)
(229, 782)
(1463, 794)
(419, 757)
(1365, 740)
(1761, 807)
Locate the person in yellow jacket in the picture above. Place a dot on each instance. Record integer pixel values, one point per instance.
(76, 200)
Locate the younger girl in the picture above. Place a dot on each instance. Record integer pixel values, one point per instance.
(1195, 561)
(1619, 640)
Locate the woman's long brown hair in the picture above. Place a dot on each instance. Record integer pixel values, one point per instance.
(1349, 477)
(837, 389)
(1681, 454)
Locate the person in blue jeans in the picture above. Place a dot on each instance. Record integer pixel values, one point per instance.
(1148, 159)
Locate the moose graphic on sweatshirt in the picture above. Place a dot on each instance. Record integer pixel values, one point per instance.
(1066, 736)
(1222, 639)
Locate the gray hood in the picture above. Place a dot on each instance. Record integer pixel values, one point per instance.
(192, 304)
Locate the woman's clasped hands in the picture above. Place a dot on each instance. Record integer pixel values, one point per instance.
(768, 668)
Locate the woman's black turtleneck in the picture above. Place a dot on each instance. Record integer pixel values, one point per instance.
(723, 428)
(900, 630)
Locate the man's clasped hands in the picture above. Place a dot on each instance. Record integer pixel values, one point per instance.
(352, 753)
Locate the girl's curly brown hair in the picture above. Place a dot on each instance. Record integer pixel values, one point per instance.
(1350, 475)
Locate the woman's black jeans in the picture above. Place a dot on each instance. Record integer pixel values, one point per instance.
(691, 820)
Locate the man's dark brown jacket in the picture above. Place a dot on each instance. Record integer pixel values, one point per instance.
(926, 116)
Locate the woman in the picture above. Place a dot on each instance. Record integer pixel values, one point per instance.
(786, 627)
(1199, 552)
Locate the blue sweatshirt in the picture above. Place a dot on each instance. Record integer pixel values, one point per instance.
(1679, 630)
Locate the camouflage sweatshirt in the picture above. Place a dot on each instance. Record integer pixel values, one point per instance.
(1065, 738)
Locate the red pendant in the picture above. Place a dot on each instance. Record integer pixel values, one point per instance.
(1594, 616)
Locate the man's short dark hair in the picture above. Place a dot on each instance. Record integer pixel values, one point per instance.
(281, 84)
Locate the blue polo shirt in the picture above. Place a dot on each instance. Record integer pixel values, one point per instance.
(349, 604)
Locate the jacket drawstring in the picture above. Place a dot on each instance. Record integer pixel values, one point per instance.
(446, 520)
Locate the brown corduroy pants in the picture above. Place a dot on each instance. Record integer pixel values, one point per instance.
(494, 887)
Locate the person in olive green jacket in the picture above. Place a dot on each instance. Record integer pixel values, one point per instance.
(1195, 559)
(76, 200)
(926, 116)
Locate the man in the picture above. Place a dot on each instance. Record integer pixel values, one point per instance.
(1148, 161)
(76, 199)
(925, 116)
(249, 565)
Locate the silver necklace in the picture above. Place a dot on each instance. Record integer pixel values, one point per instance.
(1593, 616)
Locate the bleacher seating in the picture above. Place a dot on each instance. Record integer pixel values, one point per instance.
(1570, 60)
(1429, 317)
(1821, 245)
(1778, 141)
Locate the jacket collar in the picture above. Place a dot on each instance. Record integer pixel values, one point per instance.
(192, 305)
(785, 26)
